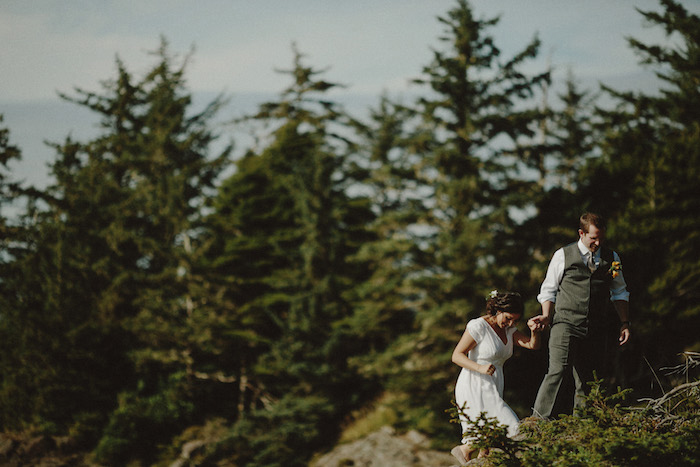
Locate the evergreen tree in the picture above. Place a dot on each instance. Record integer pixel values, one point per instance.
(154, 158)
(291, 227)
(385, 304)
(254, 243)
(112, 317)
(565, 147)
(60, 364)
(8, 187)
(480, 105)
(15, 402)
(646, 183)
(477, 105)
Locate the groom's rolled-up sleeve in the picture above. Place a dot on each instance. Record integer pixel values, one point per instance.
(550, 285)
(618, 286)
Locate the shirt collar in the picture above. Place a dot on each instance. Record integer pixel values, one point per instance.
(585, 251)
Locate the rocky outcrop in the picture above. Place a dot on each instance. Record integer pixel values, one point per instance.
(387, 448)
(383, 448)
(37, 451)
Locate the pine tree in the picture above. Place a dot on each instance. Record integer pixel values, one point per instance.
(291, 226)
(384, 305)
(476, 108)
(16, 402)
(114, 316)
(8, 187)
(155, 172)
(566, 146)
(646, 182)
(60, 365)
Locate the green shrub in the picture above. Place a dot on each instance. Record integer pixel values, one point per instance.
(286, 433)
(604, 433)
(601, 433)
(140, 424)
(487, 434)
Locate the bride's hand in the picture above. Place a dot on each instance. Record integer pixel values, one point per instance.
(540, 321)
(487, 369)
(532, 324)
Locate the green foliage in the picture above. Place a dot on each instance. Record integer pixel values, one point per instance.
(646, 180)
(605, 433)
(486, 434)
(564, 150)
(602, 432)
(103, 265)
(142, 421)
(480, 100)
(280, 435)
(140, 294)
(456, 242)
(8, 153)
(286, 229)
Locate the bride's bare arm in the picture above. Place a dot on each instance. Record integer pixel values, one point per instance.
(459, 356)
(532, 341)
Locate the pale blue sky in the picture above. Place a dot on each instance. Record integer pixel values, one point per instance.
(373, 46)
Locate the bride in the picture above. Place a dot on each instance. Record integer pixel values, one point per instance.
(486, 344)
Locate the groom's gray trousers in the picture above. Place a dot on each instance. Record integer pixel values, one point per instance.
(570, 351)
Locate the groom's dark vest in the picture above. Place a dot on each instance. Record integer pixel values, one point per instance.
(583, 296)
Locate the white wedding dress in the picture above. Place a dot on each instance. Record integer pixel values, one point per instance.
(484, 393)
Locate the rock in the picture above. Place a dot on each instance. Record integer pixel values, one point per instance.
(38, 446)
(66, 444)
(190, 447)
(386, 448)
(187, 450)
(7, 446)
(50, 462)
(37, 451)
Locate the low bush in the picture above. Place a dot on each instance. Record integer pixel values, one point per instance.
(602, 432)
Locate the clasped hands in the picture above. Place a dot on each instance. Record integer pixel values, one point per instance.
(538, 323)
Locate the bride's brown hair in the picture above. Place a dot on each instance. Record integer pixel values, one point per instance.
(505, 302)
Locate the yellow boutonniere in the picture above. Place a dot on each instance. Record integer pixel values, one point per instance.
(615, 269)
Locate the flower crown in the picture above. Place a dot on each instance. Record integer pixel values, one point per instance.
(492, 294)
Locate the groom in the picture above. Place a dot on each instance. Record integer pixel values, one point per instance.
(581, 280)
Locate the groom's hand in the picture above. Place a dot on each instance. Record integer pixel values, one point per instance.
(532, 324)
(540, 322)
(624, 334)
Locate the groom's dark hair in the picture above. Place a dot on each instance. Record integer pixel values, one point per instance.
(590, 218)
